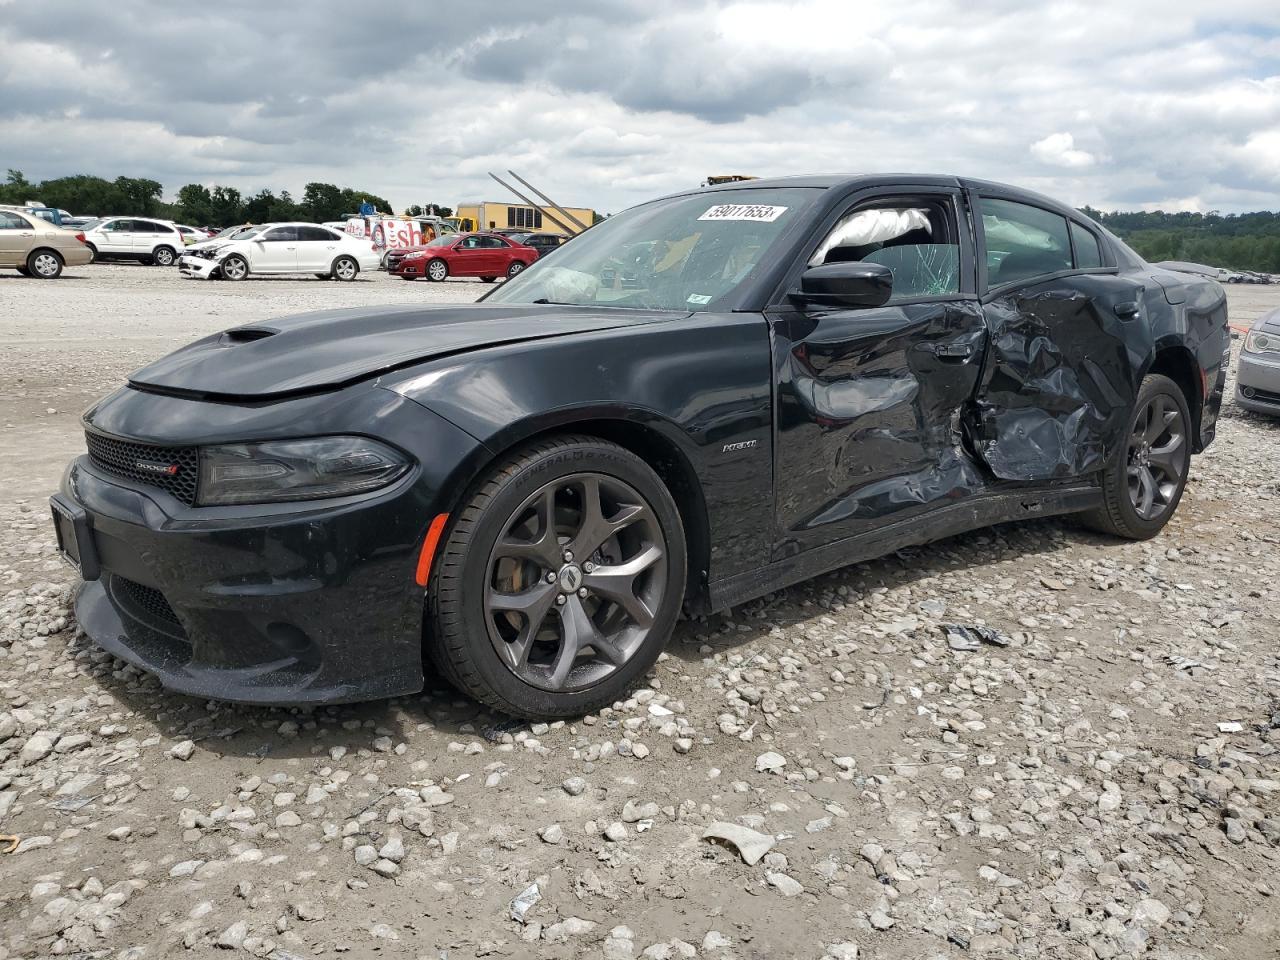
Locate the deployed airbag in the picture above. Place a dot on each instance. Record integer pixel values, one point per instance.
(870, 226)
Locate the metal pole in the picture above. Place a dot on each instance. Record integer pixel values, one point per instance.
(559, 209)
(537, 206)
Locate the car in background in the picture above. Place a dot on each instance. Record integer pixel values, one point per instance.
(191, 235)
(1258, 372)
(484, 255)
(37, 248)
(272, 249)
(544, 243)
(146, 240)
(54, 215)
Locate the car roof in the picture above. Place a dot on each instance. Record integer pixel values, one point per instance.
(850, 181)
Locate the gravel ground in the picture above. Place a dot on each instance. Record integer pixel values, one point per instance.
(818, 774)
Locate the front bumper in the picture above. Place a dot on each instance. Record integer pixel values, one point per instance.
(408, 268)
(1258, 384)
(311, 602)
(197, 267)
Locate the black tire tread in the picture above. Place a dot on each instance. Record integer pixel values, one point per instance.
(447, 645)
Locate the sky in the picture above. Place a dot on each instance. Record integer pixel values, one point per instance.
(1127, 104)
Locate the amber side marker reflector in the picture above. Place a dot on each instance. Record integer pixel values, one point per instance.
(429, 548)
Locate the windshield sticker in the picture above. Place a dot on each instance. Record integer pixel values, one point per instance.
(699, 298)
(759, 213)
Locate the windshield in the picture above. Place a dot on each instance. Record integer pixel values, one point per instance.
(443, 241)
(229, 232)
(685, 253)
(90, 224)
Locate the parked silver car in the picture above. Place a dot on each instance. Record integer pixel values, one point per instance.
(1258, 378)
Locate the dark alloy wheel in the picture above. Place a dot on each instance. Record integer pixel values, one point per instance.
(1142, 487)
(1157, 458)
(561, 581)
(574, 582)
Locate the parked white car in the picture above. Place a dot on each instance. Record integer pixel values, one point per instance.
(281, 248)
(133, 238)
(191, 235)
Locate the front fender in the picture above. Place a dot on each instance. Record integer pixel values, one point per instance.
(703, 384)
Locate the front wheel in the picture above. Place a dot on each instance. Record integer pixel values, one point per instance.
(1143, 485)
(560, 580)
(488, 279)
(437, 270)
(234, 267)
(345, 268)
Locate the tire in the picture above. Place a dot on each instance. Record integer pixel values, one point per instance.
(516, 267)
(93, 252)
(1143, 485)
(488, 279)
(163, 256)
(345, 268)
(437, 270)
(323, 276)
(22, 270)
(234, 267)
(403, 277)
(475, 634)
(44, 264)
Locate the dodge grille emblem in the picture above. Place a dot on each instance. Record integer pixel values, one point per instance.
(151, 466)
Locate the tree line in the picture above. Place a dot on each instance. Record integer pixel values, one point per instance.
(195, 204)
(1244, 241)
(1239, 241)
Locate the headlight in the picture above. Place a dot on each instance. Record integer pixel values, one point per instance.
(1259, 341)
(416, 255)
(296, 470)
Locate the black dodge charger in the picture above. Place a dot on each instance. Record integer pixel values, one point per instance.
(700, 400)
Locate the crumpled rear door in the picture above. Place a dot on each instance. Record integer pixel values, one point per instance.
(1060, 376)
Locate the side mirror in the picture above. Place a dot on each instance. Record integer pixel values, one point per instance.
(846, 285)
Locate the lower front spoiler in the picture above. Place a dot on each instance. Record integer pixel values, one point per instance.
(170, 657)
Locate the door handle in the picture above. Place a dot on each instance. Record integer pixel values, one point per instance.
(952, 351)
(1127, 310)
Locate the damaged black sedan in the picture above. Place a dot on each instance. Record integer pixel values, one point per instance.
(701, 400)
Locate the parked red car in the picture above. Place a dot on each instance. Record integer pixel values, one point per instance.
(484, 255)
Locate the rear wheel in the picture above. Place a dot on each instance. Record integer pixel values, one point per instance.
(437, 270)
(44, 264)
(164, 256)
(488, 279)
(93, 252)
(234, 267)
(1142, 487)
(514, 269)
(345, 268)
(560, 581)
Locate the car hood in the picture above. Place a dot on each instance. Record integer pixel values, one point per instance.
(1269, 322)
(332, 348)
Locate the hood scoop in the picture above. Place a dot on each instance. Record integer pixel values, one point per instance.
(247, 335)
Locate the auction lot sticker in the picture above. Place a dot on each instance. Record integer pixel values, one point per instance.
(760, 213)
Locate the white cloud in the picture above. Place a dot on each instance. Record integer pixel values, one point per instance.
(605, 103)
(1059, 150)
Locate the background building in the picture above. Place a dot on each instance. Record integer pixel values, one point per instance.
(492, 215)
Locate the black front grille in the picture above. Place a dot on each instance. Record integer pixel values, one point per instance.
(172, 469)
(146, 600)
(393, 260)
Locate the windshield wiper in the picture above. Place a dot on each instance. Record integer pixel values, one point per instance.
(557, 303)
